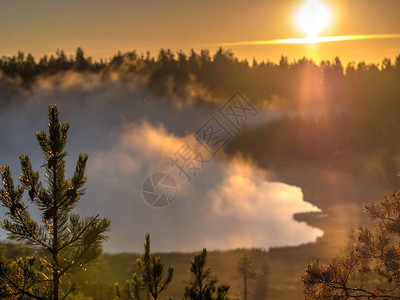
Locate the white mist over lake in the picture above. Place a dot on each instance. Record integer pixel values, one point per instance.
(230, 204)
(129, 135)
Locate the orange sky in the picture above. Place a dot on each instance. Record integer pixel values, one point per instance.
(103, 27)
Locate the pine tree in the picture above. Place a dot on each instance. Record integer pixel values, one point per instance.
(81, 63)
(66, 241)
(203, 285)
(245, 268)
(371, 269)
(149, 279)
(261, 286)
(131, 291)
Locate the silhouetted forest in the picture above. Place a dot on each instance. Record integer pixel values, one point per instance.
(322, 112)
(222, 72)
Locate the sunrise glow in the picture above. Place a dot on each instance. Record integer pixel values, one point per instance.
(312, 17)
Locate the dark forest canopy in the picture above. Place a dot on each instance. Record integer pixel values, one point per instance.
(215, 71)
(28, 66)
(290, 85)
(325, 111)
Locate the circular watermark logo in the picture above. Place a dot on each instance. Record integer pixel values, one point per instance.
(159, 190)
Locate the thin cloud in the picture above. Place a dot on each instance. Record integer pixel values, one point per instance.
(313, 40)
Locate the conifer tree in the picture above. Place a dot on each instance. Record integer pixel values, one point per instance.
(245, 268)
(203, 285)
(371, 269)
(261, 287)
(66, 241)
(149, 279)
(130, 291)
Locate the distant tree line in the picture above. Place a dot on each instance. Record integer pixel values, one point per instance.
(219, 73)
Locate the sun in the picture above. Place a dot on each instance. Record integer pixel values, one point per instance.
(312, 17)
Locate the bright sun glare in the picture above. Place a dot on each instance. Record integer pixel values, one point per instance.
(312, 17)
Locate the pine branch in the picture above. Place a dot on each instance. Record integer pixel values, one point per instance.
(70, 290)
(94, 220)
(21, 291)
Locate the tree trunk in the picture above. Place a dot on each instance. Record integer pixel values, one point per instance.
(56, 285)
(56, 274)
(245, 284)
